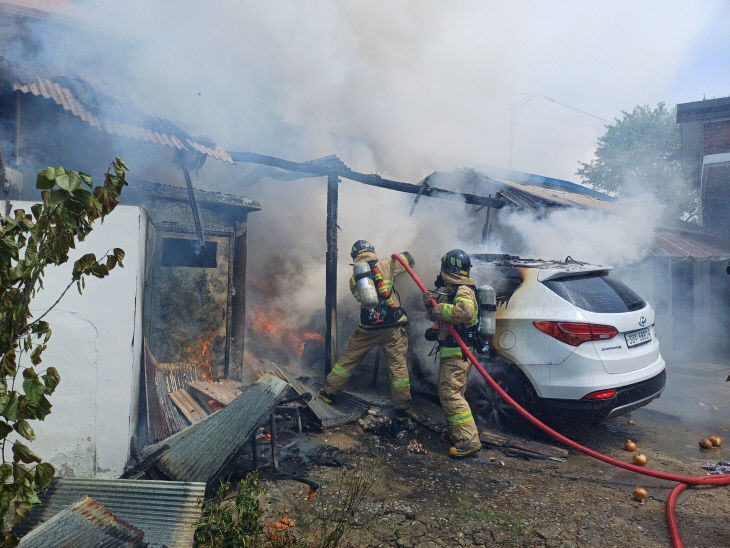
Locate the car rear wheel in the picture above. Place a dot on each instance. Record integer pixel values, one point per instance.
(517, 386)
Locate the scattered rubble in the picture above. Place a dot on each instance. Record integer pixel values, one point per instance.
(415, 447)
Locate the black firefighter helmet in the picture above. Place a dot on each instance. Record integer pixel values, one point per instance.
(456, 261)
(361, 246)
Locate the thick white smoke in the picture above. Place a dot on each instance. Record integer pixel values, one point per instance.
(400, 89)
(617, 237)
(413, 80)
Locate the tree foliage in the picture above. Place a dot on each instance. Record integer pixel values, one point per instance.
(30, 241)
(639, 151)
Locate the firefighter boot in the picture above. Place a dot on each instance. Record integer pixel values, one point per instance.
(458, 452)
(401, 415)
(326, 396)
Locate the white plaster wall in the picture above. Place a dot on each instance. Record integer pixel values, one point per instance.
(96, 347)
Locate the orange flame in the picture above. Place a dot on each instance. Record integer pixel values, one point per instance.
(266, 322)
(300, 342)
(201, 355)
(215, 405)
(271, 324)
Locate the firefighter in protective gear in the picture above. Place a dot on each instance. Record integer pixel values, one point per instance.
(457, 305)
(384, 326)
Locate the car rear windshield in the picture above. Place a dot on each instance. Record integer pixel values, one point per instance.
(596, 293)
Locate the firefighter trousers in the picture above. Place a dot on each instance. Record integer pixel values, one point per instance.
(453, 375)
(394, 342)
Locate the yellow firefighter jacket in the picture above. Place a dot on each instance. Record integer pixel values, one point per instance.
(462, 312)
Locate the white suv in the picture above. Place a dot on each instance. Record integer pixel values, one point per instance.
(570, 337)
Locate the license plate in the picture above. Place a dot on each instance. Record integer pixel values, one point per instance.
(635, 338)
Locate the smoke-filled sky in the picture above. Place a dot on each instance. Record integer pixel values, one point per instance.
(415, 80)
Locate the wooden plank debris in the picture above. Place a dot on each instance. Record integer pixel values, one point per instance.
(222, 392)
(430, 415)
(187, 405)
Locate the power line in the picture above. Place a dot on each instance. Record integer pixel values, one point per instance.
(575, 109)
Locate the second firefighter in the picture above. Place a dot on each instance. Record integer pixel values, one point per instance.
(457, 305)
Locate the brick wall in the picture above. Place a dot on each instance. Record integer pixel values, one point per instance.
(715, 137)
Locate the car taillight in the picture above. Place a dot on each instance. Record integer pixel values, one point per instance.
(575, 333)
(600, 395)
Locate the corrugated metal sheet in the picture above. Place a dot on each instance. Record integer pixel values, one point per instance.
(681, 245)
(165, 510)
(112, 116)
(428, 414)
(84, 523)
(521, 194)
(537, 197)
(533, 180)
(202, 451)
(346, 408)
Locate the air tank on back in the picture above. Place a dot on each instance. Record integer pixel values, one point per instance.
(366, 285)
(487, 311)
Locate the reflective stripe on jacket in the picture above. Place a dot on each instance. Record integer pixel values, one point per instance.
(462, 313)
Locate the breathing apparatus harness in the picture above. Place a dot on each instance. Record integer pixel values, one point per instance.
(470, 334)
(386, 313)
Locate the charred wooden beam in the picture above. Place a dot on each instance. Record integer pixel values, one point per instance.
(193, 203)
(330, 304)
(485, 228)
(234, 367)
(333, 165)
(424, 188)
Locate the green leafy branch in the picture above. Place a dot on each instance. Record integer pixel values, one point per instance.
(30, 241)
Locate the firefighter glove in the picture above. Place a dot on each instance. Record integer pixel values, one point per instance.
(432, 334)
(428, 300)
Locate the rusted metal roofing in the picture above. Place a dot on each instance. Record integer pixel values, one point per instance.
(166, 511)
(109, 115)
(202, 451)
(84, 523)
(684, 245)
(346, 408)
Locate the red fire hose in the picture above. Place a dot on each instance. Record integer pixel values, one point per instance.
(684, 481)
